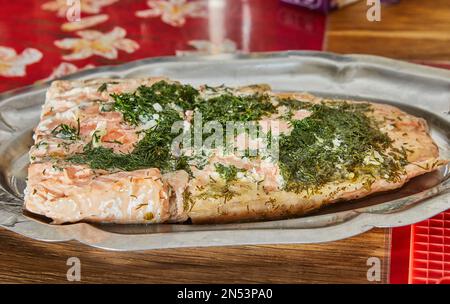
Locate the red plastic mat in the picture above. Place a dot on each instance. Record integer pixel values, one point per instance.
(430, 251)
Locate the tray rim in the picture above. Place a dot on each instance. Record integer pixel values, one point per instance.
(389, 63)
(355, 223)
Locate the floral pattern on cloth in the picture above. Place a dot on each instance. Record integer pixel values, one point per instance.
(174, 12)
(64, 69)
(42, 43)
(13, 64)
(97, 43)
(207, 47)
(86, 6)
(84, 23)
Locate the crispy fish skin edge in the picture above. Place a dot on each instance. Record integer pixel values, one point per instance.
(256, 206)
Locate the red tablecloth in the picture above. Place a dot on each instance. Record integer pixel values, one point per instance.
(38, 42)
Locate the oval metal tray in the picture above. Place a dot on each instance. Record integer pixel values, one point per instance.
(419, 90)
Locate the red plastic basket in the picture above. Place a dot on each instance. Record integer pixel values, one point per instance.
(429, 261)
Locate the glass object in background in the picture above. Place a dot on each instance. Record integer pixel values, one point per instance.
(324, 6)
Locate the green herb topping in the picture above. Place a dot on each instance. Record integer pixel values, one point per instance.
(152, 151)
(67, 132)
(168, 101)
(228, 173)
(337, 142)
(138, 107)
(104, 86)
(229, 107)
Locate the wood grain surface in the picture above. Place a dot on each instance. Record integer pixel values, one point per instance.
(28, 261)
(412, 30)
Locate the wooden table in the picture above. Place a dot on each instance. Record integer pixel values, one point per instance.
(413, 30)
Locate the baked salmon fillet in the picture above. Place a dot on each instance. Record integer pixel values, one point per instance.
(157, 151)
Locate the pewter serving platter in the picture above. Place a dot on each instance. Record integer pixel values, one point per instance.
(419, 90)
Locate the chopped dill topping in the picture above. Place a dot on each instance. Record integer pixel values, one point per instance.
(294, 104)
(41, 144)
(153, 151)
(137, 107)
(229, 107)
(228, 173)
(218, 189)
(67, 132)
(104, 86)
(338, 141)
